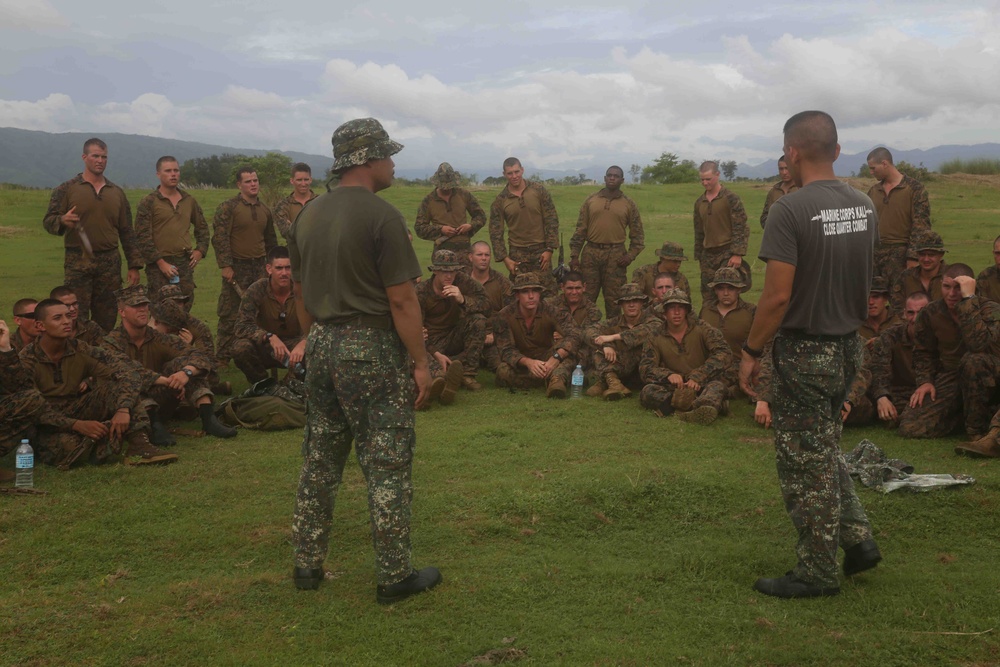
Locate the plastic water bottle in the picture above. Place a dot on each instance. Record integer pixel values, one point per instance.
(25, 465)
(176, 278)
(577, 382)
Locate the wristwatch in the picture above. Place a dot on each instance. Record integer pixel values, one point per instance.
(187, 371)
(557, 356)
(267, 336)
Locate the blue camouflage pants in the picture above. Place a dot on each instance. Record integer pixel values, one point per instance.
(811, 378)
(359, 388)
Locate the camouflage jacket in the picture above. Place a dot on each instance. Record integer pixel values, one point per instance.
(222, 227)
(144, 224)
(702, 356)
(586, 314)
(632, 222)
(906, 209)
(429, 229)
(892, 361)
(940, 341)
(89, 332)
(14, 377)
(515, 339)
(988, 283)
(739, 229)
(645, 276)
(283, 217)
(253, 321)
(550, 219)
(160, 354)
(649, 325)
(909, 282)
(774, 194)
(441, 313)
(202, 336)
(80, 362)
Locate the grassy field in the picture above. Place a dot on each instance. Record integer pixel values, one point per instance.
(568, 532)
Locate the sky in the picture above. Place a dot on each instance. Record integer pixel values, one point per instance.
(561, 85)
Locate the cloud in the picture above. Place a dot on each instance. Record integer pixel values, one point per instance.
(34, 15)
(52, 114)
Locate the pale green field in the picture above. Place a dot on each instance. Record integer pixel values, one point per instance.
(574, 532)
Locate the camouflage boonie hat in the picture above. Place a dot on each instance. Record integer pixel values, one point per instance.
(169, 312)
(359, 141)
(928, 241)
(911, 253)
(727, 275)
(671, 250)
(446, 176)
(631, 292)
(444, 260)
(134, 295)
(523, 281)
(880, 285)
(675, 295)
(171, 292)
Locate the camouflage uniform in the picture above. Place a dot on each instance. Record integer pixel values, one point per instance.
(628, 350)
(245, 271)
(286, 210)
(527, 254)
(603, 221)
(435, 212)
(892, 367)
(21, 406)
(703, 357)
(171, 313)
(907, 210)
(95, 278)
(734, 325)
(911, 280)
(89, 332)
(811, 376)
(774, 194)
(585, 315)
(645, 275)
(252, 351)
(454, 330)
(146, 240)
(870, 332)
(112, 384)
(713, 258)
(498, 294)
(988, 283)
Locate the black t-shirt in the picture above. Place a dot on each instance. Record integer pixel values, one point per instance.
(827, 230)
(346, 247)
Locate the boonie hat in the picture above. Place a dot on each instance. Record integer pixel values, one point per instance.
(929, 240)
(134, 295)
(676, 295)
(171, 292)
(523, 281)
(446, 176)
(169, 312)
(727, 275)
(631, 292)
(880, 285)
(671, 250)
(444, 260)
(359, 141)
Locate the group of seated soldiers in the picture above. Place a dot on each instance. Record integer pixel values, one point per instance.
(931, 360)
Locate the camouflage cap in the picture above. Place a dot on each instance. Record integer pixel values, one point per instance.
(671, 250)
(171, 292)
(134, 295)
(880, 285)
(444, 260)
(631, 292)
(911, 253)
(727, 275)
(359, 141)
(170, 313)
(446, 176)
(523, 281)
(675, 295)
(928, 240)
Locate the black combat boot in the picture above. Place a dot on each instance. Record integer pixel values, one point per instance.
(211, 424)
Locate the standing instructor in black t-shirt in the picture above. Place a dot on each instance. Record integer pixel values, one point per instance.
(818, 246)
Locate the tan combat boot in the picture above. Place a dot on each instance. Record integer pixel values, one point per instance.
(616, 390)
(683, 398)
(452, 381)
(556, 388)
(987, 446)
(596, 389)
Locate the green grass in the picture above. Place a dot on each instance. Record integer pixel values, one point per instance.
(981, 166)
(575, 532)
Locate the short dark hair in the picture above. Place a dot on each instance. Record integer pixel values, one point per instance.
(510, 162)
(709, 165)
(41, 310)
(615, 166)
(21, 304)
(919, 294)
(783, 158)
(880, 154)
(61, 291)
(301, 166)
(165, 158)
(94, 141)
(572, 276)
(958, 269)
(277, 252)
(480, 242)
(245, 169)
(814, 133)
(664, 274)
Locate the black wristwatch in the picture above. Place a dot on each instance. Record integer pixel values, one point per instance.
(756, 354)
(557, 356)
(188, 372)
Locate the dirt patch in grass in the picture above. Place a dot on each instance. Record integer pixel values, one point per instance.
(10, 232)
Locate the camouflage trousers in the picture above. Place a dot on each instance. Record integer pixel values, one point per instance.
(255, 358)
(58, 446)
(937, 418)
(523, 379)
(94, 281)
(863, 413)
(656, 396)
(19, 412)
(463, 342)
(359, 387)
(978, 373)
(163, 401)
(810, 384)
(155, 278)
(246, 272)
(529, 259)
(713, 260)
(490, 358)
(889, 261)
(625, 365)
(601, 273)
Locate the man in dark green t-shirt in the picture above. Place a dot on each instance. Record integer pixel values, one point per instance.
(353, 269)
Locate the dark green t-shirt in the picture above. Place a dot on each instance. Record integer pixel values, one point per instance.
(827, 231)
(346, 247)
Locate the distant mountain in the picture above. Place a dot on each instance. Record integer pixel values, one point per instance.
(43, 159)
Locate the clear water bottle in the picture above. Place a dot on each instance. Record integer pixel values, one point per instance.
(25, 465)
(577, 382)
(176, 278)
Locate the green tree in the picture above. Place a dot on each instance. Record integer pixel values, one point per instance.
(214, 170)
(864, 171)
(728, 169)
(635, 170)
(668, 168)
(273, 170)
